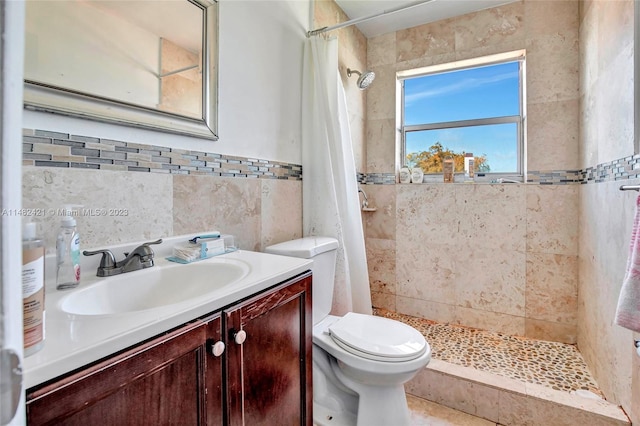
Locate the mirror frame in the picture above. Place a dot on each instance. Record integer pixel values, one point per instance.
(48, 98)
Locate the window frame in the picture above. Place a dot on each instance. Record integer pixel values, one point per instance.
(519, 120)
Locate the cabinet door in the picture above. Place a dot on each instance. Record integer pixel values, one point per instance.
(269, 374)
(169, 380)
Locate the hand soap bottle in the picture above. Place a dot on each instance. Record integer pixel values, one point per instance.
(32, 289)
(68, 252)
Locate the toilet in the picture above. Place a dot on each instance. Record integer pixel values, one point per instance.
(360, 362)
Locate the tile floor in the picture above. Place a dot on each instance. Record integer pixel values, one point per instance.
(556, 365)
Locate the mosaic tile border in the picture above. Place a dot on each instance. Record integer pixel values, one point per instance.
(555, 177)
(379, 179)
(621, 169)
(54, 149)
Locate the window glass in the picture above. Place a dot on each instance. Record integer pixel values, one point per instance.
(471, 110)
(427, 148)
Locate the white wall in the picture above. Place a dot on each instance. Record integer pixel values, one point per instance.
(260, 83)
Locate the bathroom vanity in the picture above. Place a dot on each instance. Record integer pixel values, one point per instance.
(243, 361)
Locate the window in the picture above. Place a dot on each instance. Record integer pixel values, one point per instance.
(474, 107)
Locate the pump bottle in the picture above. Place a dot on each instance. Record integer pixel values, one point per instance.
(32, 290)
(68, 252)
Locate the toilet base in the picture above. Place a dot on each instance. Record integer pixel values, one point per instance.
(368, 414)
(323, 416)
(339, 400)
(377, 405)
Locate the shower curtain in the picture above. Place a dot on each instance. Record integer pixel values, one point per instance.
(331, 206)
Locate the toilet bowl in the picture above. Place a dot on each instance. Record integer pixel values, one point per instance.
(360, 362)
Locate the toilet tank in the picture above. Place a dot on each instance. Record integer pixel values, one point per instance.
(322, 250)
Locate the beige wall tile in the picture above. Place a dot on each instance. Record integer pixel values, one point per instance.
(552, 135)
(381, 146)
(552, 69)
(425, 40)
(455, 392)
(492, 321)
(551, 219)
(380, 224)
(281, 211)
(434, 311)
(542, 412)
(606, 218)
(552, 288)
(381, 50)
(425, 213)
(383, 300)
(425, 61)
(137, 206)
(513, 409)
(381, 262)
(491, 216)
(382, 94)
(230, 205)
(427, 272)
(613, 107)
(615, 30)
(491, 27)
(564, 18)
(490, 280)
(549, 330)
(426, 413)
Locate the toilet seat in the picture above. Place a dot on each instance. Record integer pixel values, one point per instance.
(377, 338)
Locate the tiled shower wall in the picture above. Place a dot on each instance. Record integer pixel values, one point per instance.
(606, 213)
(132, 192)
(500, 257)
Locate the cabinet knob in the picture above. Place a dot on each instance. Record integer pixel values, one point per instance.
(240, 336)
(217, 348)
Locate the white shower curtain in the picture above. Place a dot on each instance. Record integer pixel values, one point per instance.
(331, 206)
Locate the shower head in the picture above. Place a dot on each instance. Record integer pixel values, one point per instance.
(365, 78)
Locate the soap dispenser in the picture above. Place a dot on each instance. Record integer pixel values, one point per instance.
(33, 313)
(68, 252)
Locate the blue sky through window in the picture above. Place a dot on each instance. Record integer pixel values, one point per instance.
(474, 93)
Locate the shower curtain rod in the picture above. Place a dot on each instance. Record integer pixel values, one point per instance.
(366, 18)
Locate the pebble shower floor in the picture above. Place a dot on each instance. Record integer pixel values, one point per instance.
(556, 365)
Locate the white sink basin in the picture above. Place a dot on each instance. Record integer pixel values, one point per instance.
(153, 287)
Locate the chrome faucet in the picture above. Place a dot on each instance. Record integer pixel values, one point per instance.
(140, 257)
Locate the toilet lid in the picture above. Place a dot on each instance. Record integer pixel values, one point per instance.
(378, 338)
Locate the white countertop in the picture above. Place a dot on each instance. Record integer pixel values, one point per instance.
(73, 341)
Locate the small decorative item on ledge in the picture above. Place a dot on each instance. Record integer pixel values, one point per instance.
(416, 175)
(447, 169)
(405, 175)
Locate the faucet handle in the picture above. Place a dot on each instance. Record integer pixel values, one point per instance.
(108, 261)
(144, 250)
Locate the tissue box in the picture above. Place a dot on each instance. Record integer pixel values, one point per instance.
(203, 249)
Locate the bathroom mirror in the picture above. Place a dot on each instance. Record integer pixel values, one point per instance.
(146, 63)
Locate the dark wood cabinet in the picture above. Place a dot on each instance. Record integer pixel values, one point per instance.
(162, 381)
(263, 376)
(268, 374)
